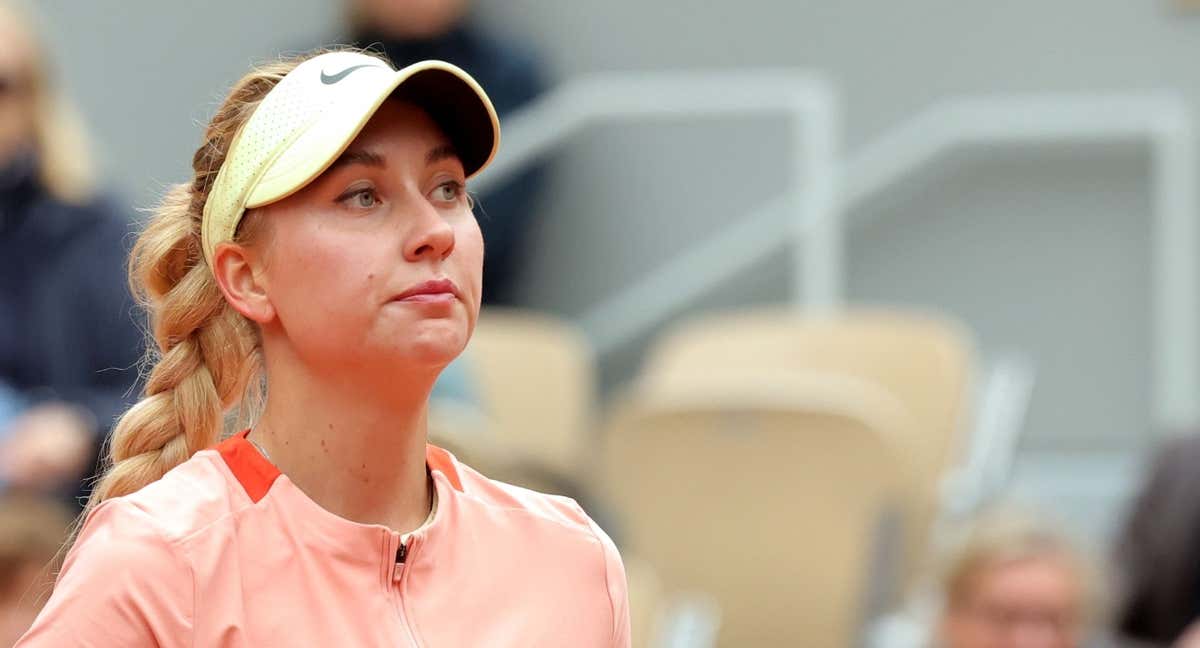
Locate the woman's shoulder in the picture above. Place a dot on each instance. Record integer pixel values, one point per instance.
(126, 581)
(543, 519)
(186, 500)
(533, 527)
(503, 497)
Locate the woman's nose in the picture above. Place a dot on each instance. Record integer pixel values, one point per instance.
(431, 236)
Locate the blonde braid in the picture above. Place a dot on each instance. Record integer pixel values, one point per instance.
(204, 353)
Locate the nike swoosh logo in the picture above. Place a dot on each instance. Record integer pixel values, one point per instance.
(330, 79)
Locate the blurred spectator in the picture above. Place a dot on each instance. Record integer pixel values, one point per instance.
(31, 532)
(68, 345)
(1159, 549)
(408, 31)
(1015, 583)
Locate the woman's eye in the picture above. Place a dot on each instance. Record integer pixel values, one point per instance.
(362, 198)
(448, 192)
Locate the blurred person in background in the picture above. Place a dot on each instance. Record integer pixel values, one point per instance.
(1014, 582)
(67, 341)
(407, 31)
(31, 531)
(1158, 550)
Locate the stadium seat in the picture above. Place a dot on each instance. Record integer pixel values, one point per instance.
(646, 600)
(924, 361)
(534, 374)
(770, 492)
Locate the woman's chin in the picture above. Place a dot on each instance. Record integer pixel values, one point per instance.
(432, 358)
(434, 349)
(427, 345)
(390, 362)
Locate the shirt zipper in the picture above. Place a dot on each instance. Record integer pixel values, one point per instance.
(403, 554)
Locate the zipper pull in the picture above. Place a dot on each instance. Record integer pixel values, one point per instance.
(401, 554)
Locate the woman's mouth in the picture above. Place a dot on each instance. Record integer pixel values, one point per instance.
(433, 291)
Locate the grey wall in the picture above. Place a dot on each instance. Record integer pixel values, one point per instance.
(148, 74)
(1044, 252)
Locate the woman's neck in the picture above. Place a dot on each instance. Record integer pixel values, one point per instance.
(360, 458)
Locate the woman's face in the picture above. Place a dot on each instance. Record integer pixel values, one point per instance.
(376, 265)
(1032, 603)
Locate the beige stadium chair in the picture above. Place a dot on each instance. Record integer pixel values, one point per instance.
(535, 377)
(765, 491)
(925, 361)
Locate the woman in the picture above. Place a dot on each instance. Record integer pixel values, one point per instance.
(326, 237)
(1014, 582)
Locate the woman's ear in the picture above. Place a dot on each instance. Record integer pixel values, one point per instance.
(237, 271)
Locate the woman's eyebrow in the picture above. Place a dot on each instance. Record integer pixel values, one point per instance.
(358, 157)
(439, 153)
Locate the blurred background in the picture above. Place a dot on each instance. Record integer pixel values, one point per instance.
(837, 316)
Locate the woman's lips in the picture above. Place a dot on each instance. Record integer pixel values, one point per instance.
(429, 292)
(428, 298)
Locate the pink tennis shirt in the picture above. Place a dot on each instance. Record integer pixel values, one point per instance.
(225, 551)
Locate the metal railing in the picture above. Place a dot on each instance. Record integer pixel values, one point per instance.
(809, 214)
(1164, 121)
(805, 215)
